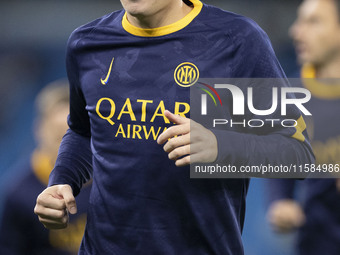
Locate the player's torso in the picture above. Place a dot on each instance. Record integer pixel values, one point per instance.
(129, 81)
(127, 86)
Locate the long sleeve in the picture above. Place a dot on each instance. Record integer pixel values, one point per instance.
(273, 143)
(73, 166)
(74, 162)
(271, 146)
(253, 150)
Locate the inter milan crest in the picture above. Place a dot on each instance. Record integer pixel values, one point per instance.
(186, 74)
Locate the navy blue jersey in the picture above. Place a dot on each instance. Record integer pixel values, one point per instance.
(122, 78)
(320, 233)
(20, 230)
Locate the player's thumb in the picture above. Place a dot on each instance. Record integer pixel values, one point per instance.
(70, 201)
(175, 118)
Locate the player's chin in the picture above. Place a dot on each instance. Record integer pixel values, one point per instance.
(137, 9)
(303, 57)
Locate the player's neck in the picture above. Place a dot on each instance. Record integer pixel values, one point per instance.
(329, 70)
(175, 12)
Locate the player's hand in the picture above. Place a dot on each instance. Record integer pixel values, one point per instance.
(53, 206)
(286, 215)
(189, 142)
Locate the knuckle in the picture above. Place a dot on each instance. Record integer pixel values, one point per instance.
(39, 199)
(60, 203)
(174, 154)
(65, 189)
(183, 150)
(171, 131)
(62, 188)
(171, 145)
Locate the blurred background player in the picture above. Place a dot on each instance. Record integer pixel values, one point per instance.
(21, 231)
(316, 34)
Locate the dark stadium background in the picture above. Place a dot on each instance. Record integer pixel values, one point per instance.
(32, 50)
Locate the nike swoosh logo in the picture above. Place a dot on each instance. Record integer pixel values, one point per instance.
(104, 82)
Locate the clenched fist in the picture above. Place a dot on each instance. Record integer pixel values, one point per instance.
(53, 206)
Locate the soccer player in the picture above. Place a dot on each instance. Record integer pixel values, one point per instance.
(125, 70)
(20, 230)
(316, 34)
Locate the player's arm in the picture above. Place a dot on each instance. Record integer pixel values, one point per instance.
(273, 146)
(73, 167)
(189, 142)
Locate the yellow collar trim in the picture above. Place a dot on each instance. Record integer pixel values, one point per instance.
(165, 30)
(42, 166)
(317, 88)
